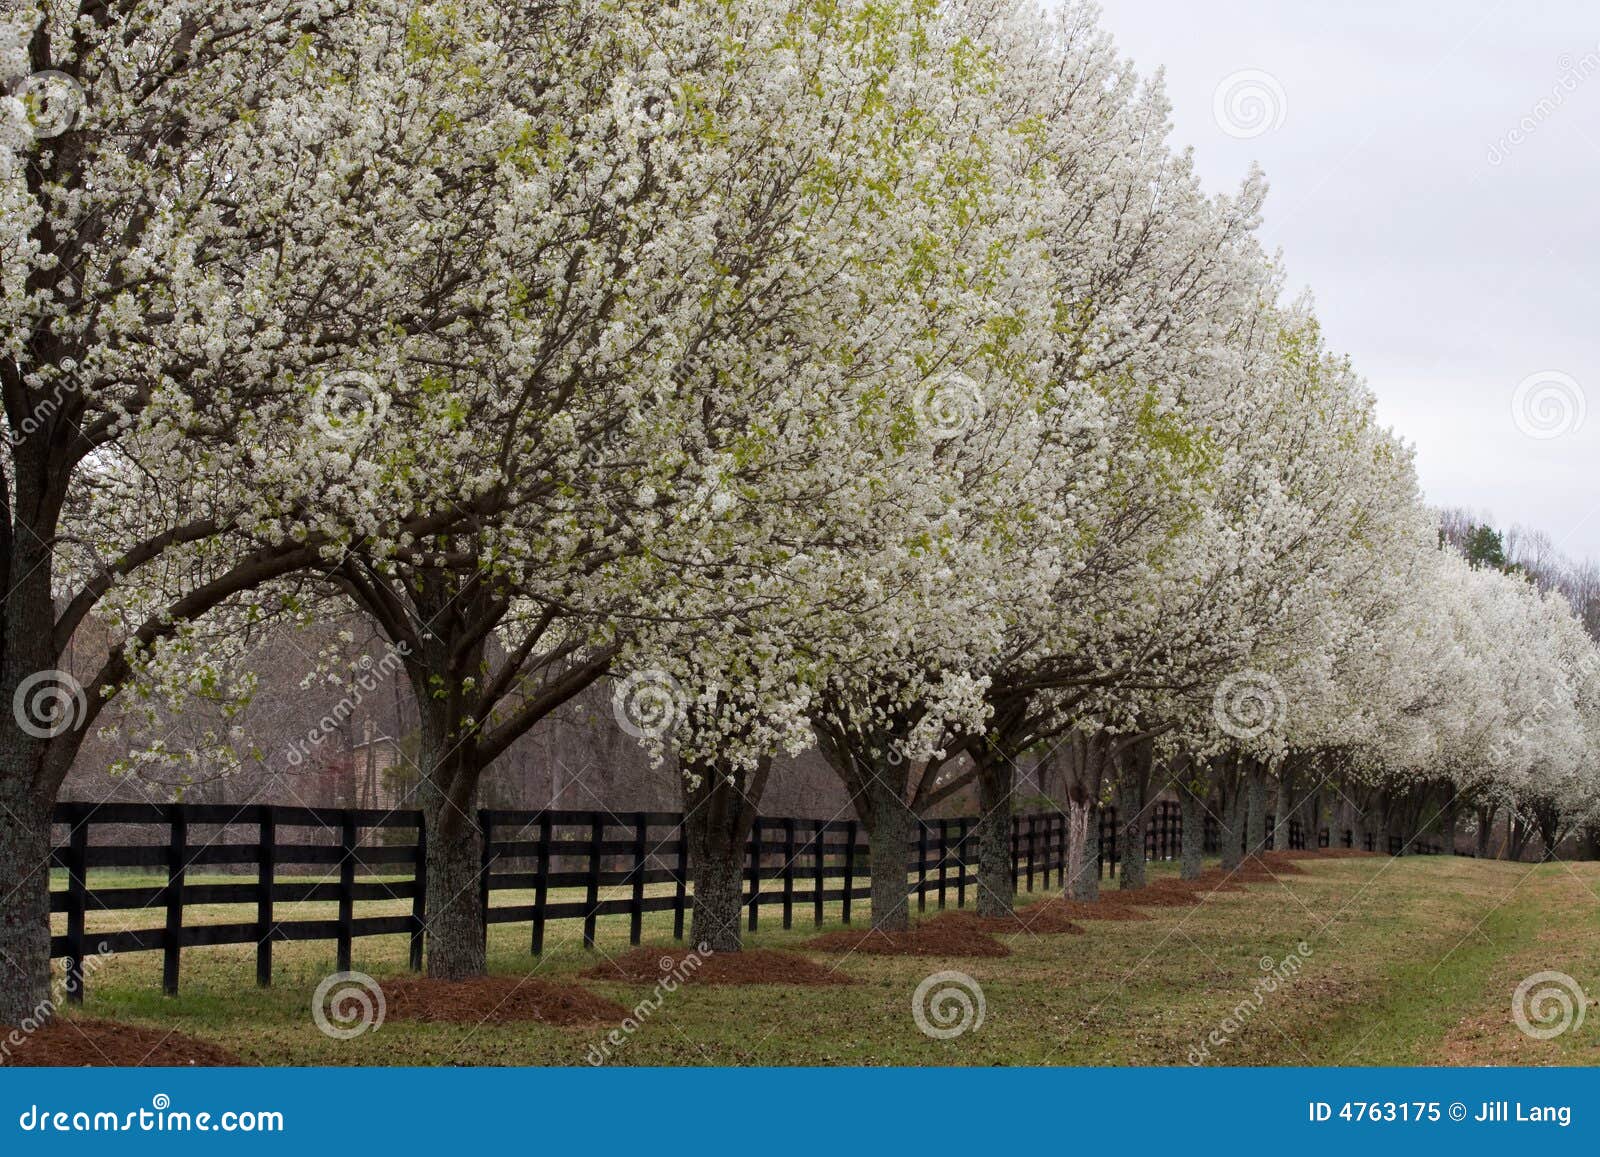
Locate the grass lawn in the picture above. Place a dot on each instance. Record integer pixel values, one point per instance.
(1410, 961)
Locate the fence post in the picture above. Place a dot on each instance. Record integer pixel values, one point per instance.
(266, 880)
(419, 893)
(788, 871)
(347, 887)
(819, 871)
(962, 827)
(1016, 851)
(922, 865)
(77, 897)
(597, 830)
(1060, 824)
(944, 860)
(849, 866)
(636, 906)
(681, 892)
(755, 872)
(485, 865)
(541, 882)
(177, 861)
(1033, 839)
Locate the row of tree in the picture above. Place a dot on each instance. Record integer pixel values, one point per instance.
(866, 374)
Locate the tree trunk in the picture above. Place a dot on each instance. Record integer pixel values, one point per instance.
(1194, 833)
(718, 816)
(889, 832)
(1283, 808)
(1447, 826)
(1084, 883)
(996, 888)
(718, 899)
(1233, 828)
(1485, 830)
(1255, 824)
(455, 928)
(1130, 818)
(24, 911)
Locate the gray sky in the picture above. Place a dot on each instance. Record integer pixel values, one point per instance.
(1434, 181)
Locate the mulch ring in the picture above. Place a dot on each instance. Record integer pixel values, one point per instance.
(78, 1042)
(933, 938)
(750, 966)
(1160, 895)
(1039, 919)
(1112, 905)
(1272, 864)
(1211, 880)
(496, 1000)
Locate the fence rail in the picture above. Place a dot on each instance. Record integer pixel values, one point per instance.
(354, 856)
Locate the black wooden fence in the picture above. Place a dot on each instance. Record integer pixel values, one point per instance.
(351, 856)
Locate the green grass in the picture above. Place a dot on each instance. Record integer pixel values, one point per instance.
(1411, 961)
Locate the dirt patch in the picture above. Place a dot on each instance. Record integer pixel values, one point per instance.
(1038, 919)
(934, 938)
(496, 1000)
(75, 1043)
(751, 966)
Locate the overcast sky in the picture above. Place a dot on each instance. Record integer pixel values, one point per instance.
(1434, 182)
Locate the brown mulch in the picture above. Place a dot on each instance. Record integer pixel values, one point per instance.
(1112, 905)
(496, 999)
(1039, 919)
(750, 966)
(933, 938)
(1208, 881)
(79, 1042)
(1159, 896)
